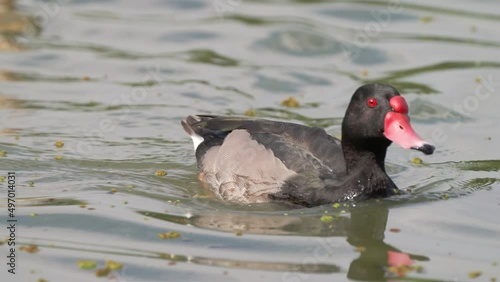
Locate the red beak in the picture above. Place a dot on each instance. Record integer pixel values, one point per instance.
(397, 128)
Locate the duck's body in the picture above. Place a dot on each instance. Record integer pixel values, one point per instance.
(251, 161)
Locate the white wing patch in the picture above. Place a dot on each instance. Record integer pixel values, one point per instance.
(197, 140)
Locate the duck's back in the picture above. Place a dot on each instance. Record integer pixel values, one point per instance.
(247, 160)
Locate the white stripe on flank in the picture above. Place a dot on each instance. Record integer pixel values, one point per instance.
(197, 140)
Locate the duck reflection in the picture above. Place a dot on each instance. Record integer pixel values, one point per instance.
(364, 229)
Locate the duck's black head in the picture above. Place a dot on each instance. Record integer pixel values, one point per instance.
(378, 115)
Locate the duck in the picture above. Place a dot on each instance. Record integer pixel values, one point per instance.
(248, 160)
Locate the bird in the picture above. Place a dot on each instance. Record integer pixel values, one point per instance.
(248, 160)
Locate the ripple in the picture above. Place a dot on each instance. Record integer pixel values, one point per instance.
(417, 7)
(275, 84)
(186, 4)
(425, 111)
(310, 79)
(361, 14)
(309, 43)
(207, 56)
(188, 36)
(302, 43)
(443, 66)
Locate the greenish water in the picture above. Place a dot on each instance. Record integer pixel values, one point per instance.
(113, 79)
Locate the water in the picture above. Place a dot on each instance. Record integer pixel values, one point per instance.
(113, 79)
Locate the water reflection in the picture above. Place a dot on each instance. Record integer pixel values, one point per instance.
(258, 265)
(364, 229)
(9, 108)
(12, 25)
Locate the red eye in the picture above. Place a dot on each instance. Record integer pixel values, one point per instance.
(372, 102)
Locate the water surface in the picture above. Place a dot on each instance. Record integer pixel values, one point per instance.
(112, 80)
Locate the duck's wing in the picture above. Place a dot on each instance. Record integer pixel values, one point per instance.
(291, 143)
(245, 158)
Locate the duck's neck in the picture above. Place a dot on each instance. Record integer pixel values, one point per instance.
(366, 170)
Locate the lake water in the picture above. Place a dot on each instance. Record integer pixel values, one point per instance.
(112, 80)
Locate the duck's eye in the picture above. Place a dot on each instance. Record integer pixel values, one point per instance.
(371, 102)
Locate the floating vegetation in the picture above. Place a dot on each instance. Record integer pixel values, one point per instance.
(326, 218)
(30, 249)
(416, 160)
(426, 19)
(59, 144)
(474, 274)
(113, 265)
(3, 153)
(250, 113)
(58, 157)
(169, 235)
(102, 272)
(290, 102)
(109, 266)
(31, 183)
(87, 264)
(160, 173)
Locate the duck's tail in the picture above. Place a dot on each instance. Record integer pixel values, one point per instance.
(190, 122)
(193, 126)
